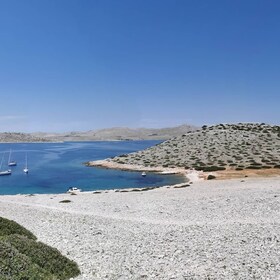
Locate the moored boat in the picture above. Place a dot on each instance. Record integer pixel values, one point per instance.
(74, 190)
(4, 172)
(11, 162)
(25, 170)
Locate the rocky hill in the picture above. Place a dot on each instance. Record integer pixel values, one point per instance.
(224, 146)
(119, 133)
(13, 137)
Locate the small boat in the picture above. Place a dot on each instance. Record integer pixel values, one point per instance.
(7, 172)
(4, 172)
(25, 170)
(143, 174)
(11, 162)
(74, 190)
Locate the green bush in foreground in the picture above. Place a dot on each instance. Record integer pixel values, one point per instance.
(15, 266)
(23, 258)
(8, 227)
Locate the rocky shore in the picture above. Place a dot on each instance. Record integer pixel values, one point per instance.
(219, 229)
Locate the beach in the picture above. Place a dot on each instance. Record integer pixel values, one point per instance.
(216, 229)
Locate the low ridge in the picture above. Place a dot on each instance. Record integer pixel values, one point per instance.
(16, 137)
(119, 133)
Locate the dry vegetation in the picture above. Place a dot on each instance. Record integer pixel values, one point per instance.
(242, 146)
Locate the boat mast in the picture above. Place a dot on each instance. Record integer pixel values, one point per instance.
(2, 161)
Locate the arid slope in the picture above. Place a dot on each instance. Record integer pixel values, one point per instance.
(220, 147)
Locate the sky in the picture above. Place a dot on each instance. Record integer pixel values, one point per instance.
(77, 65)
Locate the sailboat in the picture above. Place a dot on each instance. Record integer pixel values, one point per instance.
(11, 163)
(25, 170)
(4, 172)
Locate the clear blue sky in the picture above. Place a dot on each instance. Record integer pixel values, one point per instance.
(89, 64)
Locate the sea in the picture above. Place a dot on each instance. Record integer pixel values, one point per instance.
(55, 167)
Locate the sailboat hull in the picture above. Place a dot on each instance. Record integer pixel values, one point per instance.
(3, 173)
(11, 162)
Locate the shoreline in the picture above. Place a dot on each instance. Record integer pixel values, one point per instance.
(220, 229)
(191, 174)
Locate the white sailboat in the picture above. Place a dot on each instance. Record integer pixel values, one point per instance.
(25, 170)
(11, 162)
(4, 172)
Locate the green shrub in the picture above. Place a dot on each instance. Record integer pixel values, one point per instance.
(211, 177)
(65, 201)
(17, 266)
(198, 168)
(239, 168)
(254, 167)
(212, 168)
(46, 257)
(124, 155)
(256, 164)
(8, 227)
(23, 258)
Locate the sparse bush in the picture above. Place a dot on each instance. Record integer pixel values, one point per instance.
(124, 155)
(211, 177)
(254, 167)
(212, 168)
(239, 168)
(65, 201)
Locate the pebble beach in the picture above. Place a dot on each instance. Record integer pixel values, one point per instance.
(218, 229)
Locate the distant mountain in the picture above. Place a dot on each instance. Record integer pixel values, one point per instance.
(14, 137)
(119, 133)
(116, 133)
(225, 146)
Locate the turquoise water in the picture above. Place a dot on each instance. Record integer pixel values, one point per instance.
(55, 167)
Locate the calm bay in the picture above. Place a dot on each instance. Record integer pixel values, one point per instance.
(55, 167)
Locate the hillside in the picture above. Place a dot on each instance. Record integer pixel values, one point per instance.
(220, 147)
(14, 137)
(118, 133)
